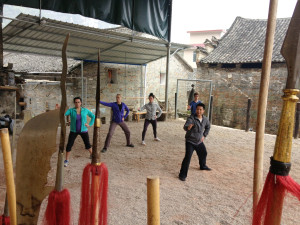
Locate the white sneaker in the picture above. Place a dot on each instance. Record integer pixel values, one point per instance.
(157, 139)
(143, 143)
(66, 163)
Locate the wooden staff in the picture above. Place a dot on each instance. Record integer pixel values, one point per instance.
(153, 208)
(9, 175)
(95, 153)
(262, 102)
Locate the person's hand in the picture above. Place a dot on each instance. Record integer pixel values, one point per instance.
(139, 109)
(123, 119)
(190, 126)
(202, 139)
(87, 125)
(189, 107)
(155, 117)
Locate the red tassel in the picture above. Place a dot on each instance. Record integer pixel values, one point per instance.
(58, 208)
(94, 200)
(4, 220)
(262, 212)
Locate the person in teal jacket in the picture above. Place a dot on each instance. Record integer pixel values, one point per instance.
(79, 126)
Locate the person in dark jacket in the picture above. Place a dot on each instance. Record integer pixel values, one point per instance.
(197, 128)
(118, 109)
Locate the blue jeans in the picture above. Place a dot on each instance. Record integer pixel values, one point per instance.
(189, 149)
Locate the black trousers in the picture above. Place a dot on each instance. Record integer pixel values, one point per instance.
(146, 124)
(189, 149)
(73, 136)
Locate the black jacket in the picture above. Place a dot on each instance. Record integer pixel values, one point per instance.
(199, 129)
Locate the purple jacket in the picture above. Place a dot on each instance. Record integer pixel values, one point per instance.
(117, 114)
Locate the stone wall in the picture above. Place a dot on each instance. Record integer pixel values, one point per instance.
(7, 103)
(43, 96)
(233, 87)
(129, 82)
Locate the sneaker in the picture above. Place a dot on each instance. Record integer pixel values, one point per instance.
(157, 139)
(130, 145)
(143, 143)
(104, 150)
(66, 163)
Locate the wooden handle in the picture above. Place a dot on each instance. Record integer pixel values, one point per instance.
(153, 208)
(9, 175)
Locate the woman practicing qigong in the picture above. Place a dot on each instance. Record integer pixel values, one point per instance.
(79, 126)
(151, 117)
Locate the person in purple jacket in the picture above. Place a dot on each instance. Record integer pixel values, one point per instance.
(118, 109)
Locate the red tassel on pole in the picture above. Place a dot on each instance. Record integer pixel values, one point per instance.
(93, 206)
(274, 183)
(4, 220)
(58, 208)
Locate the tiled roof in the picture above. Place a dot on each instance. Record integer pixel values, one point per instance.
(245, 40)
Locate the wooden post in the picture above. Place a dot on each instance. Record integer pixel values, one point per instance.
(262, 102)
(248, 115)
(175, 105)
(296, 130)
(153, 208)
(9, 175)
(211, 108)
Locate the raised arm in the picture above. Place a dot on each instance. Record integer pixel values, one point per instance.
(109, 104)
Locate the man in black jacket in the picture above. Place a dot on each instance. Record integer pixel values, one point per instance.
(197, 127)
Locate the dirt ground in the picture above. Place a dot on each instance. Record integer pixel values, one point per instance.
(221, 196)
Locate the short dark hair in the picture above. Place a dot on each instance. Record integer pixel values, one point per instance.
(196, 93)
(77, 98)
(200, 104)
(151, 95)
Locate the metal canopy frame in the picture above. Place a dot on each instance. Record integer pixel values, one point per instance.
(210, 91)
(31, 34)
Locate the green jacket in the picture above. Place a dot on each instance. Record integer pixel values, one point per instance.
(84, 113)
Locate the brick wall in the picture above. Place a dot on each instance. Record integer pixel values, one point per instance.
(233, 87)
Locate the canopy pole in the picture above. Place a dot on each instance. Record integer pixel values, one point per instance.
(82, 81)
(262, 103)
(167, 77)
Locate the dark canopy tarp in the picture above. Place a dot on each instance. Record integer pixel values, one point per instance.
(147, 16)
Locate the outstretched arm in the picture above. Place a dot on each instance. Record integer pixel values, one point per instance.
(109, 104)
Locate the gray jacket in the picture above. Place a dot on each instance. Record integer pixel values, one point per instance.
(151, 110)
(199, 129)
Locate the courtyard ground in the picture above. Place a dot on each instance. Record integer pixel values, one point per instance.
(221, 196)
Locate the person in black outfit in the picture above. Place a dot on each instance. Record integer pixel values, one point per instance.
(197, 128)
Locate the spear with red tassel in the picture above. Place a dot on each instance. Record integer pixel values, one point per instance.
(278, 182)
(58, 208)
(93, 206)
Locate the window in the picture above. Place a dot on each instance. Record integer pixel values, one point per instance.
(162, 78)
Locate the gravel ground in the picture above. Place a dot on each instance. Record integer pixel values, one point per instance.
(221, 196)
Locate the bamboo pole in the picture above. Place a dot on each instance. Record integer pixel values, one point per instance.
(153, 208)
(9, 175)
(262, 102)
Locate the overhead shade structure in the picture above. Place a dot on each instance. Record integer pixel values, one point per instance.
(27, 34)
(147, 16)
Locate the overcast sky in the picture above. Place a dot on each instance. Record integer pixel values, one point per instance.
(187, 15)
(192, 15)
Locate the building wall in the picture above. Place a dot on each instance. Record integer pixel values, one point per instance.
(130, 83)
(198, 37)
(233, 87)
(188, 56)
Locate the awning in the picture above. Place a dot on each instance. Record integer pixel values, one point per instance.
(29, 34)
